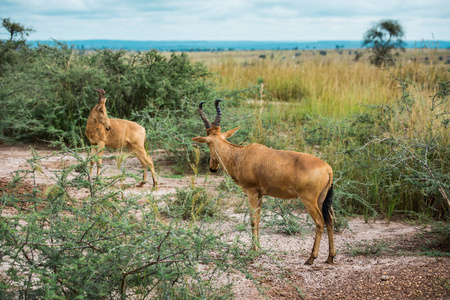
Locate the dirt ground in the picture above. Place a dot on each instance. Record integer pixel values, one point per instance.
(395, 269)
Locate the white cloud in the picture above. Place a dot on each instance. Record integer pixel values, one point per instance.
(225, 20)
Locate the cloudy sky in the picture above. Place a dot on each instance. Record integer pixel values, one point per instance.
(256, 20)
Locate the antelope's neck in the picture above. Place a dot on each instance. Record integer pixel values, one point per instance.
(91, 126)
(228, 155)
(96, 130)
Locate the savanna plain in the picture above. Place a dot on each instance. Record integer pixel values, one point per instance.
(68, 235)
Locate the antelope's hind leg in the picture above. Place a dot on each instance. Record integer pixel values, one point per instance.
(152, 169)
(145, 160)
(332, 251)
(325, 200)
(316, 215)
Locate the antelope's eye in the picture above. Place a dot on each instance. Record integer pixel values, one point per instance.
(100, 110)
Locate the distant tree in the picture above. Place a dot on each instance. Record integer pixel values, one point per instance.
(357, 55)
(15, 29)
(382, 38)
(11, 48)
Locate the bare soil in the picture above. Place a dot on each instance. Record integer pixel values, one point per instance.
(375, 260)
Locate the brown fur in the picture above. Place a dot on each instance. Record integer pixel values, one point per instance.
(282, 174)
(117, 133)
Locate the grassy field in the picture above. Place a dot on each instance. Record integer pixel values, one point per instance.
(382, 129)
(331, 84)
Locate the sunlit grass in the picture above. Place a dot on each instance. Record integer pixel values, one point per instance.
(332, 85)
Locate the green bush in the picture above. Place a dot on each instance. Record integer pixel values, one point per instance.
(279, 215)
(403, 163)
(192, 204)
(49, 94)
(104, 245)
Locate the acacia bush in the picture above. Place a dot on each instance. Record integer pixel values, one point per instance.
(193, 203)
(404, 165)
(49, 94)
(106, 245)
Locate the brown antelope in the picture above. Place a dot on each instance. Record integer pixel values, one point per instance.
(116, 133)
(260, 171)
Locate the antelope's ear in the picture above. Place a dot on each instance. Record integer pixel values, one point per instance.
(230, 133)
(200, 139)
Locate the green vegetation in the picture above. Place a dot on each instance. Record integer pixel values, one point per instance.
(375, 247)
(47, 91)
(385, 132)
(281, 216)
(192, 204)
(106, 244)
(435, 241)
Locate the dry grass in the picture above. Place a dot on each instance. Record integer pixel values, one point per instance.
(331, 85)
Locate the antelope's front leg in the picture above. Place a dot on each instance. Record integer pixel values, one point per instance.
(254, 201)
(101, 146)
(91, 167)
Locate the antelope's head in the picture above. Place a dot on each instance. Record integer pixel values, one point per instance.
(98, 113)
(214, 137)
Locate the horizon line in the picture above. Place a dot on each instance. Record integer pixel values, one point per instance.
(274, 41)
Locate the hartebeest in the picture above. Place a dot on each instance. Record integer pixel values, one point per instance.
(116, 133)
(282, 174)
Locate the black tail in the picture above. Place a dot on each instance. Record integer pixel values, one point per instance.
(326, 207)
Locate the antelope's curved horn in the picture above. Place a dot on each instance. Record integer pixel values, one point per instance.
(219, 113)
(202, 115)
(101, 94)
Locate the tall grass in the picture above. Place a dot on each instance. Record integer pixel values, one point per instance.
(333, 85)
(380, 129)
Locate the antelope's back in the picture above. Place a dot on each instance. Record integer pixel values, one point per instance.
(124, 132)
(283, 170)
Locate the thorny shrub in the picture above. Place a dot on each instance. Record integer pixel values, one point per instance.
(106, 245)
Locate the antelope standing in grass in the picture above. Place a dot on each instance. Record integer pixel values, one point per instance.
(116, 133)
(260, 171)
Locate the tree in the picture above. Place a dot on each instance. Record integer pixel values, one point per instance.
(382, 38)
(15, 29)
(12, 49)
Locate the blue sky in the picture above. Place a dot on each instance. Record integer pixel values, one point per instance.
(257, 20)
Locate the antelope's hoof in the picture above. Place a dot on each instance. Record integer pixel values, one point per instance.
(330, 260)
(141, 184)
(310, 261)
